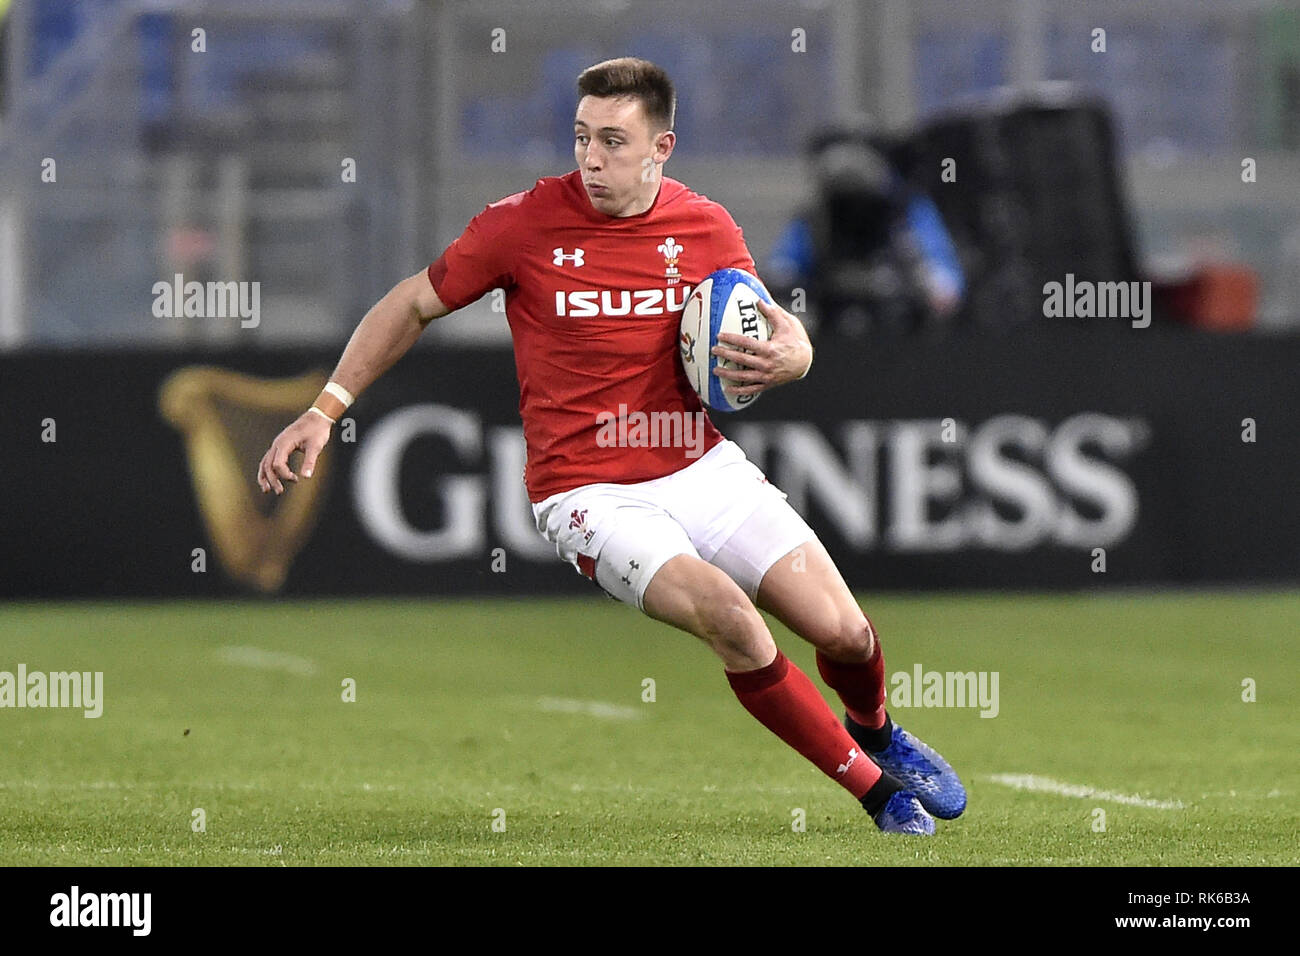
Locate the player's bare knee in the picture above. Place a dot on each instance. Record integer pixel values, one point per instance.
(728, 620)
(742, 641)
(852, 641)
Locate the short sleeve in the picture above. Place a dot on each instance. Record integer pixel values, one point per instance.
(482, 258)
(735, 254)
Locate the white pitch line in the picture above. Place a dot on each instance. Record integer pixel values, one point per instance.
(260, 659)
(592, 708)
(1037, 784)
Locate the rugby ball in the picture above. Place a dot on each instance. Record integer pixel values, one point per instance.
(724, 301)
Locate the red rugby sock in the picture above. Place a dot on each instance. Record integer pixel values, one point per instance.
(861, 686)
(787, 703)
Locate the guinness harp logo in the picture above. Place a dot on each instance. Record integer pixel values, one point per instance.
(228, 420)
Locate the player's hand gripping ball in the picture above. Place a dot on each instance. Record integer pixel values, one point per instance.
(725, 301)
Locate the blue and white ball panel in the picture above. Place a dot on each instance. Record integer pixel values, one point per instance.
(724, 301)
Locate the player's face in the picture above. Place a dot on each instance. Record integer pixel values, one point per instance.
(618, 153)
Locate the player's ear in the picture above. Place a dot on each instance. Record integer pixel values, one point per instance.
(664, 144)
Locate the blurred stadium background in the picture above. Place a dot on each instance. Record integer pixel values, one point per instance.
(232, 157)
(143, 139)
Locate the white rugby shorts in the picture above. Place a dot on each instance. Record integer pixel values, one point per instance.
(721, 509)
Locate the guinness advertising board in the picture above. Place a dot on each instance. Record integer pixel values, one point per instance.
(1051, 457)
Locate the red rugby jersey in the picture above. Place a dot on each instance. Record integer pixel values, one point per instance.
(594, 303)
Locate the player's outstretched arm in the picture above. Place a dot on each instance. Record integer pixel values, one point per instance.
(785, 357)
(386, 333)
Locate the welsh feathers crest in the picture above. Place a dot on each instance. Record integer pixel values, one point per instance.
(671, 251)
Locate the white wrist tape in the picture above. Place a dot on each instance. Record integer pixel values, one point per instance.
(341, 393)
(322, 415)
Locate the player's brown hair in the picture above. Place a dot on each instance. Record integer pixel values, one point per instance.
(631, 76)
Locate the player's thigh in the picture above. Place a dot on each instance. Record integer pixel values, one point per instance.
(693, 595)
(777, 559)
(805, 591)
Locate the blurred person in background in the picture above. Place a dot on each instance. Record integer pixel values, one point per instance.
(872, 253)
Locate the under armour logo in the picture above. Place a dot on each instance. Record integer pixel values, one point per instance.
(561, 257)
(844, 767)
(627, 578)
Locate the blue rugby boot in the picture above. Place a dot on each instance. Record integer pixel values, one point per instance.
(916, 766)
(903, 813)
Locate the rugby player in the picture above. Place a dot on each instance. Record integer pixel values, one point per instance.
(596, 266)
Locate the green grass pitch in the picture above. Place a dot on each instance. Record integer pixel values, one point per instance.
(530, 713)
